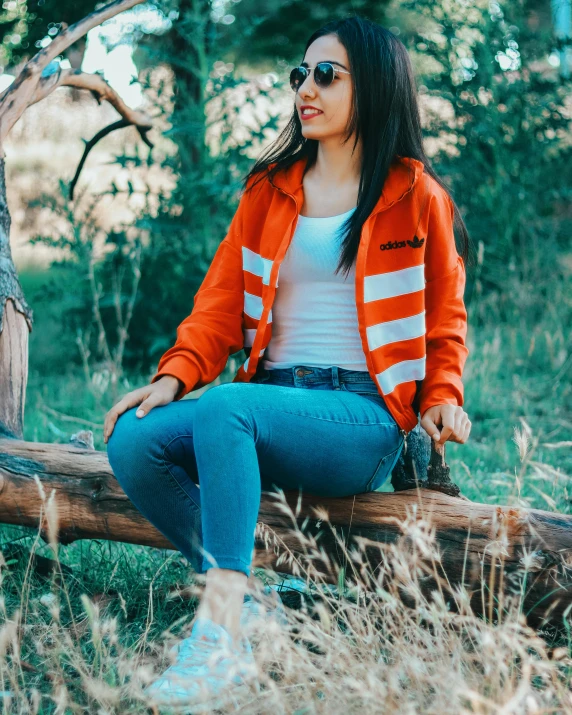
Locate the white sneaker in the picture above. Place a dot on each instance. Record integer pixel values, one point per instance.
(212, 671)
(254, 610)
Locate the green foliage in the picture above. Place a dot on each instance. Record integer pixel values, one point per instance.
(178, 230)
(278, 31)
(48, 342)
(26, 24)
(497, 110)
(93, 286)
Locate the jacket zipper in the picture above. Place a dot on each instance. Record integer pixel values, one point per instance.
(404, 433)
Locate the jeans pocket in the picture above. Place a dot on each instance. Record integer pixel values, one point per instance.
(360, 388)
(368, 391)
(385, 467)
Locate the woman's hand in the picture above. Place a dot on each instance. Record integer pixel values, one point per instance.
(455, 421)
(157, 393)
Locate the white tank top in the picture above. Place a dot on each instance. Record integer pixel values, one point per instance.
(314, 316)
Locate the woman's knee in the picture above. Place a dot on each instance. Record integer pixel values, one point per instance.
(130, 449)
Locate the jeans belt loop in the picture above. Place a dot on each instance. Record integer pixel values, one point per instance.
(335, 377)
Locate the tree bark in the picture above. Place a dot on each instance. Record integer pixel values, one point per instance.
(190, 39)
(91, 504)
(15, 324)
(13, 370)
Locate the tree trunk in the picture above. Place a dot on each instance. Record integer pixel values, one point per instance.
(15, 324)
(91, 504)
(188, 45)
(31, 85)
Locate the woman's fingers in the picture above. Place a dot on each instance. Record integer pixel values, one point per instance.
(460, 415)
(462, 431)
(447, 433)
(454, 420)
(429, 426)
(156, 397)
(457, 433)
(462, 427)
(467, 429)
(125, 403)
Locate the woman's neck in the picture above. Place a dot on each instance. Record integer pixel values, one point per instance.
(336, 165)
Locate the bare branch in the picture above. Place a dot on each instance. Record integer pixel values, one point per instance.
(97, 85)
(18, 96)
(89, 146)
(76, 31)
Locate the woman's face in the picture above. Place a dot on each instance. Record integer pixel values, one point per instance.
(335, 101)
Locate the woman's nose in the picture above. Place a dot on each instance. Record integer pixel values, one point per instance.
(307, 87)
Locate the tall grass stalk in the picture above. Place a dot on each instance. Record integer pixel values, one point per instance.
(351, 648)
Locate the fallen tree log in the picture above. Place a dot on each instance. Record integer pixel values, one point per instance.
(536, 558)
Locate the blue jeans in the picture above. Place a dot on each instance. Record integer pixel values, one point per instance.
(326, 431)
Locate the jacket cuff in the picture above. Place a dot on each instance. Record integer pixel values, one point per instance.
(440, 387)
(181, 368)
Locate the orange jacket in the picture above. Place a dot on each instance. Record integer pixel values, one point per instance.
(409, 285)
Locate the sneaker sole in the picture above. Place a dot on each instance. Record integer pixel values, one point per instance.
(219, 702)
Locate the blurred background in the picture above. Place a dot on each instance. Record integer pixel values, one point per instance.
(110, 274)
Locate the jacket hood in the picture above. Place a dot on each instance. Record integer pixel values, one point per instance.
(403, 174)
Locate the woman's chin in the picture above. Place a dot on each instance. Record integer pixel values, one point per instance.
(313, 133)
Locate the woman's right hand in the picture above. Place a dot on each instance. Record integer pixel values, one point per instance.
(157, 393)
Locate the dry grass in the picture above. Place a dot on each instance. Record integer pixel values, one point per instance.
(352, 649)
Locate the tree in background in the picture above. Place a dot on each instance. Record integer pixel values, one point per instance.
(38, 78)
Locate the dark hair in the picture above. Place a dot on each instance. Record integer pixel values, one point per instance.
(385, 114)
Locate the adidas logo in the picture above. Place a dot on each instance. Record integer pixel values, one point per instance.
(416, 243)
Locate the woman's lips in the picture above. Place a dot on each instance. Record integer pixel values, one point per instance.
(310, 116)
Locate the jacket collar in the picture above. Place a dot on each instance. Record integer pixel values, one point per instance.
(403, 174)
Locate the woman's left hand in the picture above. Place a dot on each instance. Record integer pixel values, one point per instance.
(454, 420)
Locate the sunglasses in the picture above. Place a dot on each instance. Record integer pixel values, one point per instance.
(324, 73)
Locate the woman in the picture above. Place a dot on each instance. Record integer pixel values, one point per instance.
(364, 327)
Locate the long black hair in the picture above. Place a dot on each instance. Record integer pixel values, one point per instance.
(385, 115)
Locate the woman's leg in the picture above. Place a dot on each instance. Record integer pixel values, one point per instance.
(324, 441)
(153, 458)
(327, 442)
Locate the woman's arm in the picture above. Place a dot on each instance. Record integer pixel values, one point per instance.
(446, 315)
(213, 330)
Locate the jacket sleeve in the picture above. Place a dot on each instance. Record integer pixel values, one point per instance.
(213, 330)
(445, 312)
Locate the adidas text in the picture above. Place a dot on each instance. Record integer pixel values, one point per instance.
(392, 244)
